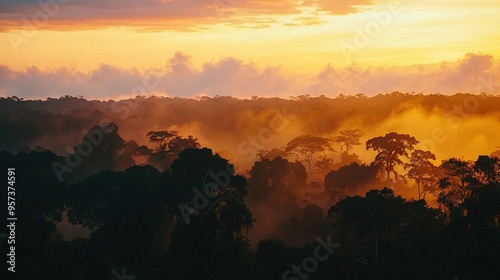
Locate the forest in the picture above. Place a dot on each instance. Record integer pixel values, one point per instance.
(394, 186)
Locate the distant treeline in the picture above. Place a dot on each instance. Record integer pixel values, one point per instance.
(57, 122)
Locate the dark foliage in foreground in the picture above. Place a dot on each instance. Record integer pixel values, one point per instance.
(190, 222)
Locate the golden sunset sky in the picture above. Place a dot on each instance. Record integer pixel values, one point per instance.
(308, 40)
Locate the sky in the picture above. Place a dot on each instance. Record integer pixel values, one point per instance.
(123, 48)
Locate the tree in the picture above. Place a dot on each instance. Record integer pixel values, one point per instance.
(108, 150)
(125, 210)
(467, 181)
(346, 159)
(271, 257)
(100, 149)
(348, 139)
(424, 173)
(487, 170)
(390, 148)
(161, 138)
(324, 165)
(307, 145)
(483, 207)
(212, 220)
(278, 181)
(456, 185)
(178, 144)
(272, 154)
(348, 179)
(132, 148)
(381, 222)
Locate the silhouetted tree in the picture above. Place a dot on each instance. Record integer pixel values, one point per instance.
(107, 151)
(348, 139)
(276, 181)
(101, 148)
(324, 165)
(456, 185)
(307, 145)
(178, 144)
(390, 148)
(271, 257)
(487, 170)
(346, 159)
(349, 179)
(272, 154)
(380, 222)
(209, 239)
(425, 174)
(125, 210)
(483, 207)
(161, 138)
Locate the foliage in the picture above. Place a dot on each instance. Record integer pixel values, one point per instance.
(306, 146)
(348, 139)
(390, 148)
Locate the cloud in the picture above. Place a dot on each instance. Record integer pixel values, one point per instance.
(474, 73)
(337, 7)
(225, 77)
(186, 15)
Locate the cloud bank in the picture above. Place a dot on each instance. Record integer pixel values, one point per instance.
(167, 14)
(474, 73)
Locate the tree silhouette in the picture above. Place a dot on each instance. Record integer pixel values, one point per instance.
(487, 170)
(456, 185)
(306, 146)
(483, 207)
(106, 153)
(348, 179)
(324, 165)
(272, 154)
(425, 174)
(348, 139)
(125, 210)
(178, 144)
(211, 237)
(390, 148)
(161, 138)
(382, 221)
(276, 181)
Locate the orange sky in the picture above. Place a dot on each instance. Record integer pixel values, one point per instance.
(298, 37)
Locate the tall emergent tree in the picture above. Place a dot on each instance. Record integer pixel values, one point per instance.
(348, 139)
(161, 138)
(425, 174)
(307, 145)
(390, 149)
